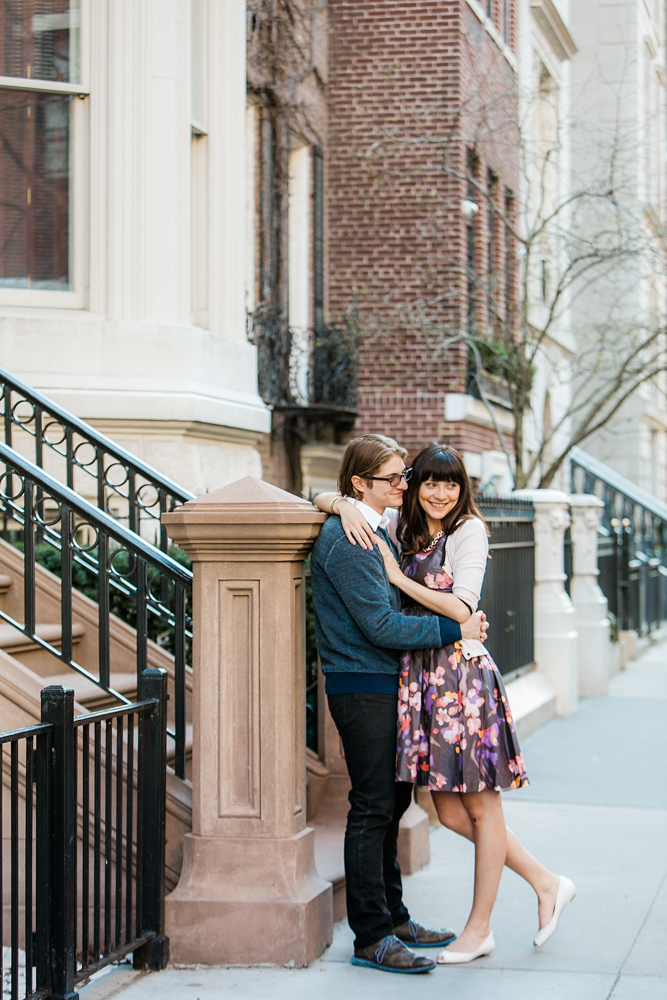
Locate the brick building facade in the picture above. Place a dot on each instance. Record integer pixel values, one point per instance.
(421, 94)
(412, 107)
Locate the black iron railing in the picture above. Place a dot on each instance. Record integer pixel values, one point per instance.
(632, 544)
(507, 593)
(126, 573)
(74, 453)
(334, 365)
(29, 750)
(306, 369)
(113, 824)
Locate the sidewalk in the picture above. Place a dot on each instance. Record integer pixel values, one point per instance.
(596, 811)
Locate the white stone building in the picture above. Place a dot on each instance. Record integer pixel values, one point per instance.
(122, 193)
(618, 111)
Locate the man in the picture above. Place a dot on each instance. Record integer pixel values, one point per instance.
(360, 634)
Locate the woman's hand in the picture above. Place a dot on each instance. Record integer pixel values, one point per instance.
(394, 573)
(355, 525)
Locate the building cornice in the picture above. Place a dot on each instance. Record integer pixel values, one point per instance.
(554, 28)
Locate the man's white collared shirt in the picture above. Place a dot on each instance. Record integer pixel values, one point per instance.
(374, 519)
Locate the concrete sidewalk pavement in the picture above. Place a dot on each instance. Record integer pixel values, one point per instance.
(596, 811)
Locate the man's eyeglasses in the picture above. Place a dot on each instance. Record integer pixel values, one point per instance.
(394, 480)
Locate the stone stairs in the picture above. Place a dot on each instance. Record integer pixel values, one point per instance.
(26, 667)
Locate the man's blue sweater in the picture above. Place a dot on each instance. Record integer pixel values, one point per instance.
(358, 622)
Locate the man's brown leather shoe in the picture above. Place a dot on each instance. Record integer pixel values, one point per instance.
(414, 934)
(391, 955)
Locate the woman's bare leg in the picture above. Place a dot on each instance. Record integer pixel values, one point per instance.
(485, 812)
(453, 814)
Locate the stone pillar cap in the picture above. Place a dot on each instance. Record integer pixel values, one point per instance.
(542, 496)
(246, 501)
(585, 500)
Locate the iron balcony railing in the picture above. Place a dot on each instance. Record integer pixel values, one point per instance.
(66, 833)
(72, 451)
(301, 369)
(122, 572)
(632, 544)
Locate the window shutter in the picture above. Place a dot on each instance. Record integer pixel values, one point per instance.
(318, 240)
(267, 207)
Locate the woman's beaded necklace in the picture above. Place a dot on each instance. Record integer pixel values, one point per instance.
(434, 541)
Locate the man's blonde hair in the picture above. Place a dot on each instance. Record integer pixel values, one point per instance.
(363, 457)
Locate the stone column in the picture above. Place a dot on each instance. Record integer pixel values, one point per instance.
(248, 891)
(555, 630)
(590, 604)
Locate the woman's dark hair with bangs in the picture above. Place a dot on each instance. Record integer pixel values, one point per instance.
(438, 463)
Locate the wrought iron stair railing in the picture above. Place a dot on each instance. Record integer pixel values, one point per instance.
(119, 564)
(632, 544)
(88, 462)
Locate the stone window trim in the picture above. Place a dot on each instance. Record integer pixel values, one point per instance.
(74, 298)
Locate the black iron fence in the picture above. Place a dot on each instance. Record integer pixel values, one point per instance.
(77, 455)
(86, 802)
(632, 544)
(507, 593)
(122, 571)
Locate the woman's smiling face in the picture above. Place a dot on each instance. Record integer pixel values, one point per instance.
(438, 498)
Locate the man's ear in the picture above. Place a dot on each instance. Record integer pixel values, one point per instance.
(359, 485)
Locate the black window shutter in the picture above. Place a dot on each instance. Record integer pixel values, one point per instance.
(267, 198)
(318, 240)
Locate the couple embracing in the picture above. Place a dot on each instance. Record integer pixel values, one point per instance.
(397, 574)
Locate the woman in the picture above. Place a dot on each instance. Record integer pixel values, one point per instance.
(455, 730)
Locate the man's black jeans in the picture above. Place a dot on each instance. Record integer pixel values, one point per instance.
(367, 726)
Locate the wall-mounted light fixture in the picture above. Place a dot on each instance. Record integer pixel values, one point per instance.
(469, 210)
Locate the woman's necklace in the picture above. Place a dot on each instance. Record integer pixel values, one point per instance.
(434, 541)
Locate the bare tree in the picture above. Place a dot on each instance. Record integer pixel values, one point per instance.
(569, 242)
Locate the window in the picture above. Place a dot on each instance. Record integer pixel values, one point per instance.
(491, 245)
(471, 195)
(509, 276)
(298, 270)
(267, 209)
(39, 74)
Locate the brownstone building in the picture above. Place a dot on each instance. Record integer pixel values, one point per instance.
(413, 112)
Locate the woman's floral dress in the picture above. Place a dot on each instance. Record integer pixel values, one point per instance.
(455, 728)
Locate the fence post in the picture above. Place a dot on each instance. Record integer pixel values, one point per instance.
(555, 632)
(154, 954)
(44, 810)
(590, 604)
(58, 710)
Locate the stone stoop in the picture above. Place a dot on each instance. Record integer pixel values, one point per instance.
(533, 703)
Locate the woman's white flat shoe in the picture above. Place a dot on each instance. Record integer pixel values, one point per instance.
(448, 957)
(566, 893)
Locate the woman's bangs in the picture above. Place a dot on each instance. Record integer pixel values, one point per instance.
(443, 467)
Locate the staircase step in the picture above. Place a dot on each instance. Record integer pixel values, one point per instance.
(15, 642)
(171, 751)
(329, 841)
(5, 583)
(89, 694)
